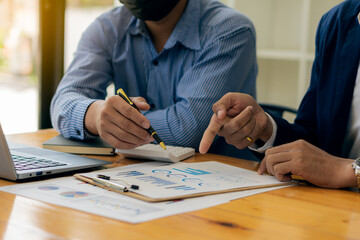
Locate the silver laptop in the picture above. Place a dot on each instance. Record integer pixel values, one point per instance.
(19, 161)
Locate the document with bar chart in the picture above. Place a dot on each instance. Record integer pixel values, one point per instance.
(183, 180)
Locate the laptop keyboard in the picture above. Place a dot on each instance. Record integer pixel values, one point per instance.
(23, 162)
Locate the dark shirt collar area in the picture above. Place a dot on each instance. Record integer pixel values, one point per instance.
(186, 31)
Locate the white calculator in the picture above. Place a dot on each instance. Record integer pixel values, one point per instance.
(156, 152)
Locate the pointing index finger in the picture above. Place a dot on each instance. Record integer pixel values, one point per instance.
(210, 133)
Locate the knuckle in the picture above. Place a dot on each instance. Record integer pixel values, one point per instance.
(126, 124)
(247, 129)
(270, 160)
(102, 124)
(216, 107)
(111, 100)
(104, 113)
(233, 125)
(300, 143)
(278, 171)
(213, 132)
(229, 94)
(297, 171)
(229, 141)
(217, 121)
(300, 167)
(268, 153)
(269, 169)
(249, 114)
(278, 174)
(121, 135)
(127, 111)
(140, 99)
(143, 134)
(299, 156)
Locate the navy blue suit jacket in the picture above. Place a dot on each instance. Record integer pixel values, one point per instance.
(323, 114)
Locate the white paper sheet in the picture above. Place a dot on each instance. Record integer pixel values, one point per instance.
(73, 193)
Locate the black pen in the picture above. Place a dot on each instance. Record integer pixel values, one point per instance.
(150, 130)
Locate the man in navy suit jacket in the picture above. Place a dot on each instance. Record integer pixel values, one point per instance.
(325, 138)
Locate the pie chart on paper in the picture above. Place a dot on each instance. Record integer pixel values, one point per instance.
(74, 194)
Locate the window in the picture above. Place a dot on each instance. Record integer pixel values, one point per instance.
(18, 78)
(19, 44)
(83, 13)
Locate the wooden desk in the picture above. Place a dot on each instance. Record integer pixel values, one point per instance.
(300, 212)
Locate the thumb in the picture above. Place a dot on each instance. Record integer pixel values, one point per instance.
(141, 103)
(221, 107)
(219, 110)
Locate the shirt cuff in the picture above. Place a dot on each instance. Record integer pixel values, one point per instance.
(270, 142)
(79, 120)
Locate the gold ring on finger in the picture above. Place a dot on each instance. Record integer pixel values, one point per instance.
(249, 139)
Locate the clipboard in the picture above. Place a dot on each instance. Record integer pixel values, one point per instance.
(134, 194)
(89, 178)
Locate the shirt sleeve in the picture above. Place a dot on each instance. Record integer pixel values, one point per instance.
(226, 65)
(270, 142)
(84, 82)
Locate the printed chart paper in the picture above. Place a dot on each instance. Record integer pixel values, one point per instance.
(75, 194)
(182, 179)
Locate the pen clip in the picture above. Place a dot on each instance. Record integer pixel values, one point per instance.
(122, 94)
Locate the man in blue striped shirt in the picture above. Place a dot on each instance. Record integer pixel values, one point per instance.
(177, 57)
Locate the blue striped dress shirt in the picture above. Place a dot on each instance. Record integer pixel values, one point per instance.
(210, 52)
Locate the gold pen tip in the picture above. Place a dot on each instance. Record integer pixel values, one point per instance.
(162, 145)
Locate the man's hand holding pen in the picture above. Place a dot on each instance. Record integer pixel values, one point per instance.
(150, 130)
(118, 123)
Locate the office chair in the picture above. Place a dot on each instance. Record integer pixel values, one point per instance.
(277, 109)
